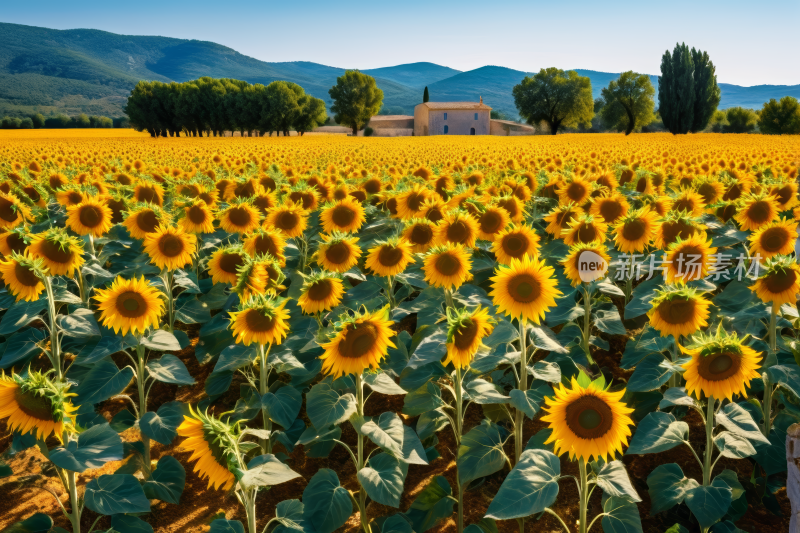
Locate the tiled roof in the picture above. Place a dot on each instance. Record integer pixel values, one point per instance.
(456, 105)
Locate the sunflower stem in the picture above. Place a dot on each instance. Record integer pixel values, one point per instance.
(587, 323)
(266, 444)
(390, 292)
(55, 347)
(675, 378)
(773, 329)
(519, 421)
(766, 406)
(75, 515)
(707, 465)
(628, 288)
(362, 493)
(583, 525)
(459, 429)
(140, 383)
(448, 299)
(168, 278)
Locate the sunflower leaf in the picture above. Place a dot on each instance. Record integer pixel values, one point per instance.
(650, 374)
(327, 505)
(226, 526)
(787, 376)
(162, 425)
(733, 446)
(167, 481)
(483, 392)
(530, 487)
(325, 407)
(614, 480)
(383, 479)
(426, 398)
(676, 396)
(169, 369)
(739, 421)
(382, 383)
(433, 504)
(102, 382)
(95, 447)
(667, 487)
(123, 523)
(190, 310)
(620, 515)
(658, 432)
(36, 523)
(282, 405)
(481, 452)
(116, 494)
(430, 349)
(21, 346)
(20, 315)
(161, 341)
(709, 504)
(266, 471)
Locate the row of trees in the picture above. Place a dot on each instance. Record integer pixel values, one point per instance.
(38, 120)
(213, 106)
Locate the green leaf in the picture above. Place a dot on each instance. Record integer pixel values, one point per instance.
(677, 396)
(658, 432)
(81, 324)
(236, 356)
(483, 392)
(226, 526)
(187, 280)
(529, 488)
(392, 436)
(430, 349)
(95, 447)
(547, 371)
(614, 480)
(668, 487)
(650, 374)
(481, 452)
(503, 333)
(607, 319)
(396, 524)
(709, 504)
(116, 494)
(22, 346)
(731, 479)
(677, 528)
(283, 405)
(169, 369)
(161, 341)
(129, 524)
(426, 398)
(167, 481)
(733, 446)
(383, 479)
(266, 471)
(739, 421)
(162, 425)
(787, 376)
(327, 504)
(381, 382)
(543, 338)
(20, 315)
(526, 401)
(289, 514)
(325, 407)
(433, 504)
(102, 382)
(37, 523)
(5, 470)
(190, 310)
(722, 527)
(620, 515)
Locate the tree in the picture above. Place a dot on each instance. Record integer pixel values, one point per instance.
(310, 115)
(780, 116)
(38, 120)
(739, 120)
(688, 93)
(425, 96)
(628, 102)
(283, 106)
(562, 99)
(356, 98)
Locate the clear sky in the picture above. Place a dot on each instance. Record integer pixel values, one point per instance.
(750, 42)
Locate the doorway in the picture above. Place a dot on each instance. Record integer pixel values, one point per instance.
(472, 131)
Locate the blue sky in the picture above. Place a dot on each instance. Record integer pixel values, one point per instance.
(751, 43)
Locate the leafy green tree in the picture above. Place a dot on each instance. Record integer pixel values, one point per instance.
(718, 121)
(425, 96)
(283, 106)
(688, 93)
(628, 102)
(26, 123)
(356, 99)
(311, 114)
(740, 120)
(780, 116)
(561, 99)
(38, 120)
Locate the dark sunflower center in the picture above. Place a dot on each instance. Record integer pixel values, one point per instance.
(16, 243)
(389, 256)
(641, 185)
(26, 276)
(587, 233)
(524, 288)
(207, 198)
(684, 204)
(759, 212)
(733, 193)
(147, 194)
(421, 234)
(515, 244)
(719, 366)
(673, 230)
(38, 407)
(780, 281)
(414, 201)
(262, 203)
(774, 239)
(117, 207)
(343, 216)
(147, 221)
(7, 210)
(448, 265)
(170, 245)
(784, 194)
(564, 218)
(510, 206)
(465, 335)
(708, 192)
(576, 191)
(90, 216)
(131, 304)
(688, 259)
(32, 194)
(337, 253)
(589, 417)
(726, 213)
(56, 182)
(490, 222)
(458, 231)
(265, 245)
(359, 195)
(268, 183)
(55, 253)
(434, 214)
(196, 214)
(287, 220)
(358, 341)
(74, 198)
(230, 263)
(239, 216)
(633, 230)
(320, 290)
(391, 205)
(677, 310)
(190, 191)
(372, 186)
(610, 210)
(245, 190)
(257, 322)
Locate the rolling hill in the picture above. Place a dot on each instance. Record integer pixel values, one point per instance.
(92, 71)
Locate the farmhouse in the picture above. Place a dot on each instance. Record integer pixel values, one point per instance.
(452, 118)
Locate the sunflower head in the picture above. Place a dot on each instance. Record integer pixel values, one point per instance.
(611, 208)
(197, 217)
(419, 233)
(777, 238)
(346, 216)
(390, 257)
(465, 332)
(757, 210)
(588, 421)
(678, 310)
(515, 242)
(16, 240)
(525, 289)
(90, 217)
(23, 275)
(779, 282)
(130, 305)
(260, 319)
(457, 227)
(321, 291)
(447, 266)
(225, 262)
(264, 241)
(289, 218)
(239, 217)
(212, 442)
(34, 403)
(491, 221)
(584, 229)
(636, 230)
(674, 225)
(689, 259)
(586, 262)
(61, 253)
(13, 211)
(170, 247)
(560, 218)
(338, 252)
(259, 275)
(359, 342)
(144, 219)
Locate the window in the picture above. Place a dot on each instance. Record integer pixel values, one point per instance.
(446, 128)
(476, 116)
(445, 117)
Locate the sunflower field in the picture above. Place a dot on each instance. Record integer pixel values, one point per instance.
(321, 334)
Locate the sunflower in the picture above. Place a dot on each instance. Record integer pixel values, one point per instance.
(409, 203)
(585, 229)
(756, 211)
(515, 243)
(13, 241)
(389, 258)
(60, 253)
(690, 202)
(780, 282)
(610, 208)
(35, 404)
(559, 219)
(678, 310)
(320, 292)
(144, 219)
(689, 259)
(576, 191)
(785, 194)
(525, 289)
(209, 439)
(419, 233)
(90, 217)
(149, 193)
(197, 217)
(260, 319)
(130, 305)
(710, 189)
(660, 205)
(586, 262)
(720, 365)
(447, 266)
(360, 342)
(259, 275)
(70, 195)
(266, 242)
(346, 216)
(492, 221)
(290, 219)
(338, 252)
(13, 211)
(777, 238)
(240, 217)
(636, 230)
(170, 247)
(513, 206)
(224, 264)
(433, 209)
(23, 275)
(725, 211)
(465, 332)
(457, 227)
(674, 226)
(587, 422)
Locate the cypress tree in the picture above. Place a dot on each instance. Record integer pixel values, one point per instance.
(706, 91)
(688, 93)
(425, 96)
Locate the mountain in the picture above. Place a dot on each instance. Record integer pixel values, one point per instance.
(92, 71)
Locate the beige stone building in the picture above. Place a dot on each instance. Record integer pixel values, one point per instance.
(452, 118)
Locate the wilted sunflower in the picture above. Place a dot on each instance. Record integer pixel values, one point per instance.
(90, 217)
(240, 217)
(289, 218)
(13, 241)
(170, 247)
(492, 221)
(678, 310)
(720, 366)
(586, 262)
(360, 342)
(13, 211)
(346, 216)
(320, 292)
(635, 231)
(559, 219)
(266, 242)
(259, 275)
(389, 258)
(211, 442)
(35, 404)
(419, 233)
(515, 243)
(587, 422)
(465, 332)
(585, 229)
(144, 219)
(224, 264)
(457, 227)
(197, 217)
(260, 319)
(777, 238)
(689, 259)
(676, 224)
(409, 203)
(59, 252)
(780, 281)
(610, 208)
(338, 252)
(525, 289)
(447, 266)
(130, 305)
(756, 211)
(22, 275)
